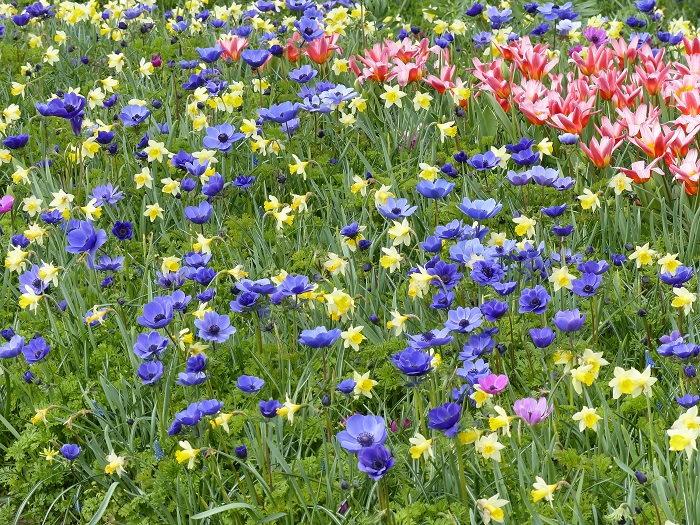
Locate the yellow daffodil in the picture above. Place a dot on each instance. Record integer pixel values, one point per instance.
(115, 464)
(143, 178)
(363, 385)
(153, 212)
(541, 490)
(392, 96)
(288, 409)
(587, 418)
(352, 337)
(221, 421)
(401, 232)
(187, 454)
(489, 447)
(684, 299)
(335, 264)
(643, 255)
(491, 509)
(299, 166)
(525, 226)
(422, 101)
(421, 447)
(561, 278)
(589, 200)
(448, 129)
(397, 323)
(391, 259)
(49, 454)
(669, 263)
(620, 183)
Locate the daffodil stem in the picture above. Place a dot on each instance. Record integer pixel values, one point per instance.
(383, 493)
(267, 457)
(650, 428)
(594, 308)
(8, 393)
(418, 405)
(462, 478)
(512, 344)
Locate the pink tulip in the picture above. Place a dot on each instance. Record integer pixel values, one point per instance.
(6, 203)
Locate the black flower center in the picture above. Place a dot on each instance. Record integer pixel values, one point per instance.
(396, 211)
(158, 318)
(464, 323)
(223, 137)
(588, 288)
(535, 302)
(214, 329)
(378, 464)
(69, 107)
(365, 439)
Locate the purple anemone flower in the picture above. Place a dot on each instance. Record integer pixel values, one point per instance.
(151, 345)
(70, 451)
(542, 337)
(569, 320)
(362, 432)
(150, 372)
(445, 418)
(485, 161)
(268, 409)
(375, 461)
(215, 327)
(84, 238)
(249, 384)
(157, 314)
(319, 337)
(480, 210)
(435, 190)
(464, 320)
(280, 113)
(36, 350)
(222, 137)
(413, 362)
(534, 300)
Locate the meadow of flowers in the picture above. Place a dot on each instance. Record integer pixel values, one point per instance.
(350, 262)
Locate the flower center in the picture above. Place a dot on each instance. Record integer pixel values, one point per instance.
(223, 137)
(377, 464)
(158, 318)
(365, 439)
(214, 329)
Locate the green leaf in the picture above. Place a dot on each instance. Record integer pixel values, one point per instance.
(105, 502)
